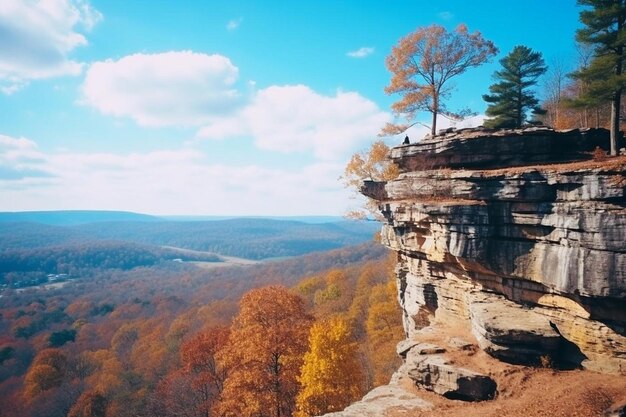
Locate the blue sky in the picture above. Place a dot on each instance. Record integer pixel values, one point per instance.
(219, 107)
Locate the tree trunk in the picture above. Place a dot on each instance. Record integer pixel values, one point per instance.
(615, 107)
(520, 116)
(433, 129)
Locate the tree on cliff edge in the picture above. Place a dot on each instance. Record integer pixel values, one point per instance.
(511, 97)
(373, 164)
(604, 28)
(421, 65)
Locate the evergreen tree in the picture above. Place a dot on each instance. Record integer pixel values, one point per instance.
(604, 29)
(511, 97)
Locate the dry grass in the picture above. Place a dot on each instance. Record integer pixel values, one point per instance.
(522, 391)
(614, 164)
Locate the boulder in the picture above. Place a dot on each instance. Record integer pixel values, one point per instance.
(513, 333)
(379, 400)
(461, 344)
(434, 373)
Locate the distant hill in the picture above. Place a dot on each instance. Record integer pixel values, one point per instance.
(303, 219)
(242, 237)
(19, 265)
(72, 217)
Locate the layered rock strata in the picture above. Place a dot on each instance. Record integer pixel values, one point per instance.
(518, 235)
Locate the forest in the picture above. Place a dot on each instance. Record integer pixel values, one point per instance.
(245, 237)
(24, 267)
(31, 251)
(138, 335)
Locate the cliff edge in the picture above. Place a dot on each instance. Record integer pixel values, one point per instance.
(511, 249)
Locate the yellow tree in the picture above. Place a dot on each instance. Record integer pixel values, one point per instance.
(384, 330)
(421, 65)
(267, 342)
(331, 376)
(373, 164)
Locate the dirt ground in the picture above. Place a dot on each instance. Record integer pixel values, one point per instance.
(522, 391)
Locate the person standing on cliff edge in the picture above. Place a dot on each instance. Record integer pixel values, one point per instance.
(406, 140)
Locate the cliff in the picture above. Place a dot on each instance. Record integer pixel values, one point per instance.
(511, 249)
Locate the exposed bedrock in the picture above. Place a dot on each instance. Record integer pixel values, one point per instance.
(518, 235)
(435, 373)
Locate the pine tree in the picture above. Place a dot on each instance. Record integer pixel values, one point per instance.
(511, 97)
(604, 29)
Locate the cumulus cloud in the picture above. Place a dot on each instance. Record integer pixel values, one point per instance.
(234, 24)
(194, 89)
(20, 159)
(38, 37)
(174, 181)
(295, 118)
(171, 88)
(361, 52)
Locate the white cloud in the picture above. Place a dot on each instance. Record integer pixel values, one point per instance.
(295, 118)
(234, 24)
(37, 38)
(171, 88)
(194, 89)
(361, 52)
(445, 15)
(175, 181)
(20, 158)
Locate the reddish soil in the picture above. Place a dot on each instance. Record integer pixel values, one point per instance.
(522, 391)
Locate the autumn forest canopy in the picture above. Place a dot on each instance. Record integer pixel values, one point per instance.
(139, 327)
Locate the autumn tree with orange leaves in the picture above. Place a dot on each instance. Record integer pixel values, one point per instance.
(47, 371)
(373, 164)
(422, 64)
(199, 356)
(89, 404)
(264, 355)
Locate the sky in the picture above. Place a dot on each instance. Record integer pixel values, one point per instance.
(238, 108)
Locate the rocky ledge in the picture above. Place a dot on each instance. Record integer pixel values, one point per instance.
(518, 235)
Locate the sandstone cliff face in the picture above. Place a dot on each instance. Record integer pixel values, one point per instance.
(516, 235)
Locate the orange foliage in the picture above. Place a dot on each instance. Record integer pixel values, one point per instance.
(423, 62)
(46, 372)
(140, 350)
(264, 354)
(89, 404)
(373, 164)
(207, 374)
